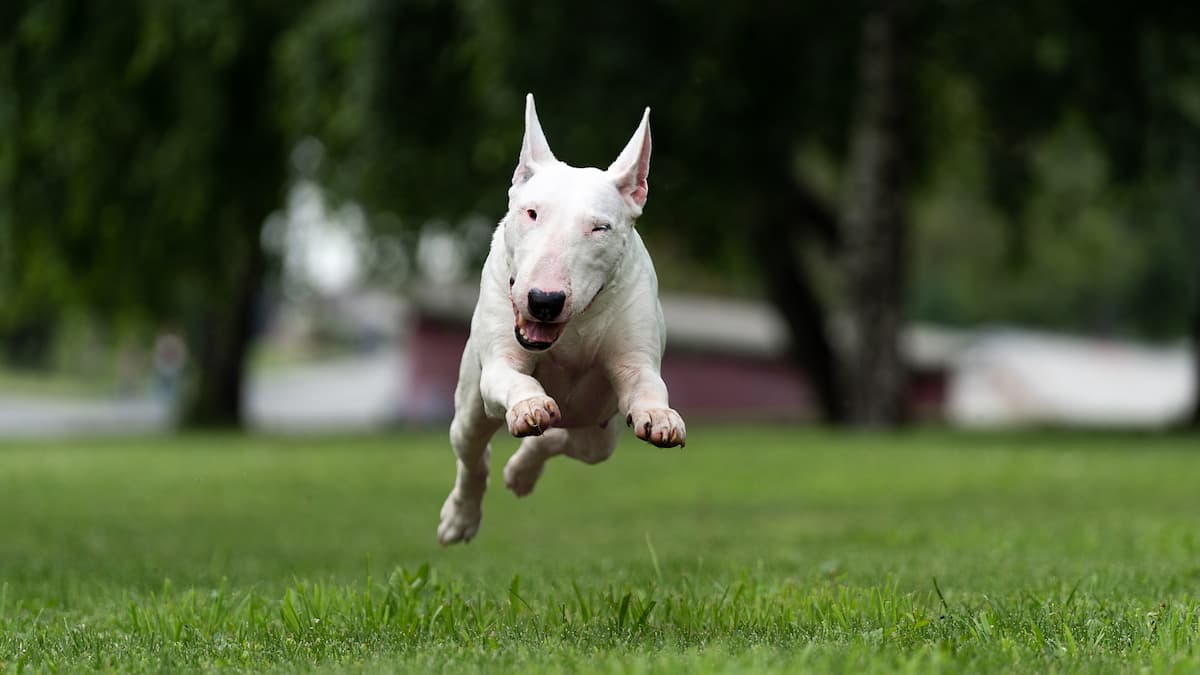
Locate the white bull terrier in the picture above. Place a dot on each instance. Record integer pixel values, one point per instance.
(568, 333)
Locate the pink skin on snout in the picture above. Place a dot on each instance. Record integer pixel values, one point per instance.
(548, 273)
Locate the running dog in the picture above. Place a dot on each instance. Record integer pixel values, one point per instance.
(568, 334)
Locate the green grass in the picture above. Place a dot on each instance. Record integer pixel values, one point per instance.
(751, 550)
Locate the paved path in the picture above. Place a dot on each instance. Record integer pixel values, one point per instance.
(33, 416)
(354, 393)
(362, 392)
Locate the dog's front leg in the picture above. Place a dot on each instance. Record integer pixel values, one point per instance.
(642, 396)
(517, 397)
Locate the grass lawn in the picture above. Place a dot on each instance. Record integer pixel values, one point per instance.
(751, 550)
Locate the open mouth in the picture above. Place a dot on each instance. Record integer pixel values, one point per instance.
(536, 335)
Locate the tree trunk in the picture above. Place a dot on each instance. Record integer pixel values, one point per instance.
(793, 211)
(1195, 421)
(254, 154)
(875, 223)
(27, 344)
(222, 342)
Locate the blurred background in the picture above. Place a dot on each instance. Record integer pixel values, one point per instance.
(271, 214)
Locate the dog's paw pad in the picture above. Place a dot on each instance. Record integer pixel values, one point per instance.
(533, 416)
(658, 426)
(460, 519)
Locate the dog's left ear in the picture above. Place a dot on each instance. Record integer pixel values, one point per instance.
(632, 166)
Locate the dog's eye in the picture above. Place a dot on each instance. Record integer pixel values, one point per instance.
(531, 213)
(601, 227)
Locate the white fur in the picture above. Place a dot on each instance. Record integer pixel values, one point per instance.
(570, 398)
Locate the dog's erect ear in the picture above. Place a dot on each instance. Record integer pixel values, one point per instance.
(633, 165)
(535, 150)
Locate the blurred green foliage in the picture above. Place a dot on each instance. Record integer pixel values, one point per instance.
(117, 172)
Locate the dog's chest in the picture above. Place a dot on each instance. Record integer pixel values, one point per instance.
(582, 390)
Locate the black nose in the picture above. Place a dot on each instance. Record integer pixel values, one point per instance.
(545, 306)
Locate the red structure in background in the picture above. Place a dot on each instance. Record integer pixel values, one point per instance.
(730, 387)
(435, 348)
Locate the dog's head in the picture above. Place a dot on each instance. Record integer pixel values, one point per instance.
(567, 229)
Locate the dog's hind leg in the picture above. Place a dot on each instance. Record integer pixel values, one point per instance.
(525, 466)
(469, 435)
(590, 445)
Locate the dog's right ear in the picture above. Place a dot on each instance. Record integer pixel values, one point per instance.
(535, 151)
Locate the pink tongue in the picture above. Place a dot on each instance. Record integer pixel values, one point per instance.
(536, 331)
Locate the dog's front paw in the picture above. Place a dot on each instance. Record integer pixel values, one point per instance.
(460, 519)
(659, 426)
(533, 416)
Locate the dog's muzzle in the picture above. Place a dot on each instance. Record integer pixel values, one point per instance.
(537, 336)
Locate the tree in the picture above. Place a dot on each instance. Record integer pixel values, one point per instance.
(876, 218)
(143, 157)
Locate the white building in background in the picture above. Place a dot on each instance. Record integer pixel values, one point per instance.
(1011, 377)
